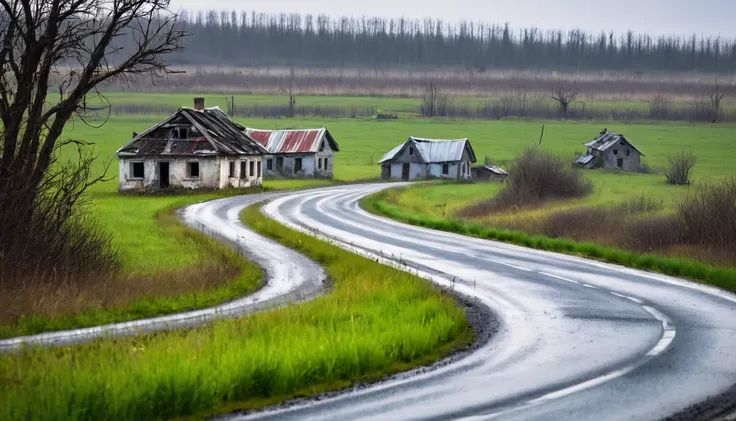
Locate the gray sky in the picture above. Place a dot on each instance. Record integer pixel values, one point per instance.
(681, 17)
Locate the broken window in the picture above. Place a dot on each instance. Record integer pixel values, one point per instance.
(137, 169)
(259, 170)
(269, 164)
(445, 169)
(193, 169)
(252, 168)
(181, 133)
(297, 164)
(615, 151)
(231, 170)
(242, 169)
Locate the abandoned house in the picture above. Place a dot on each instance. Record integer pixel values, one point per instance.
(193, 148)
(487, 172)
(297, 153)
(611, 150)
(419, 158)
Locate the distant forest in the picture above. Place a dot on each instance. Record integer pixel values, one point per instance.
(257, 39)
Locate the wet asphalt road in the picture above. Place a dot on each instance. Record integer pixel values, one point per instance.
(579, 339)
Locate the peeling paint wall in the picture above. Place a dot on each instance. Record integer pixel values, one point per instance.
(310, 165)
(213, 173)
(238, 179)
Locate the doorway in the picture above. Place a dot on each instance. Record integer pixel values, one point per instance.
(620, 163)
(163, 175)
(405, 172)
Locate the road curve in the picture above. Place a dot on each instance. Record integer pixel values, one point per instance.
(290, 277)
(579, 339)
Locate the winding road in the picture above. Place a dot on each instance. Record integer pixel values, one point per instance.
(578, 339)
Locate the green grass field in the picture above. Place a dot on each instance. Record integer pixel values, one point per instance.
(376, 320)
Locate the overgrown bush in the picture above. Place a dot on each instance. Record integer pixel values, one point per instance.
(538, 175)
(681, 166)
(708, 215)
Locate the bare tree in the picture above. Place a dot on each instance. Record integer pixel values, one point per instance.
(67, 47)
(715, 100)
(564, 95)
(434, 101)
(681, 166)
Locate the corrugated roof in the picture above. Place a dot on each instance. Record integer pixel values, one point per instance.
(585, 161)
(293, 141)
(607, 139)
(219, 135)
(492, 169)
(434, 150)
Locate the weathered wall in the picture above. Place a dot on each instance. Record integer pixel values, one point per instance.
(213, 173)
(618, 151)
(238, 180)
(310, 163)
(416, 170)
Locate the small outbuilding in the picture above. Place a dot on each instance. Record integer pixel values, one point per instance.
(487, 172)
(611, 150)
(297, 153)
(193, 148)
(420, 158)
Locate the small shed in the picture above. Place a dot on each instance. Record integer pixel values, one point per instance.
(297, 153)
(611, 150)
(193, 148)
(488, 172)
(421, 158)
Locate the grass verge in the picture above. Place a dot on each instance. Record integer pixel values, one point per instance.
(224, 277)
(720, 277)
(375, 321)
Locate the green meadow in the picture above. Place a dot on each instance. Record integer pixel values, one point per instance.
(375, 320)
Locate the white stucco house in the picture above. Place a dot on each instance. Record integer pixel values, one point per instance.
(297, 153)
(193, 148)
(420, 158)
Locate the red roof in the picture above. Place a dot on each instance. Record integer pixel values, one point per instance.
(292, 141)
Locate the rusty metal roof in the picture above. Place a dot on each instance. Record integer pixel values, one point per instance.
(293, 141)
(434, 150)
(607, 139)
(218, 135)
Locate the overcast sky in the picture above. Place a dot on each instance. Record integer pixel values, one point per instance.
(681, 17)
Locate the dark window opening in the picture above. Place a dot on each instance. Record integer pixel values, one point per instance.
(445, 169)
(623, 143)
(615, 151)
(297, 164)
(193, 169)
(181, 133)
(411, 150)
(269, 164)
(252, 168)
(138, 169)
(620, 163)
(231, 170)
(259, 170)
(628, 152)
(242, 170)
(325, 163)
(319, 164)
(280, 163)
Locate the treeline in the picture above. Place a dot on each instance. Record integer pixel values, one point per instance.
(258, 39)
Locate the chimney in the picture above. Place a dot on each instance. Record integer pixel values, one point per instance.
(199, 103)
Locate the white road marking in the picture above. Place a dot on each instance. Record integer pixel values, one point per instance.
(559, 277)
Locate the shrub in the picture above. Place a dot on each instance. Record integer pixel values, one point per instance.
(681, 165)
(708, 216)
(538, 175)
